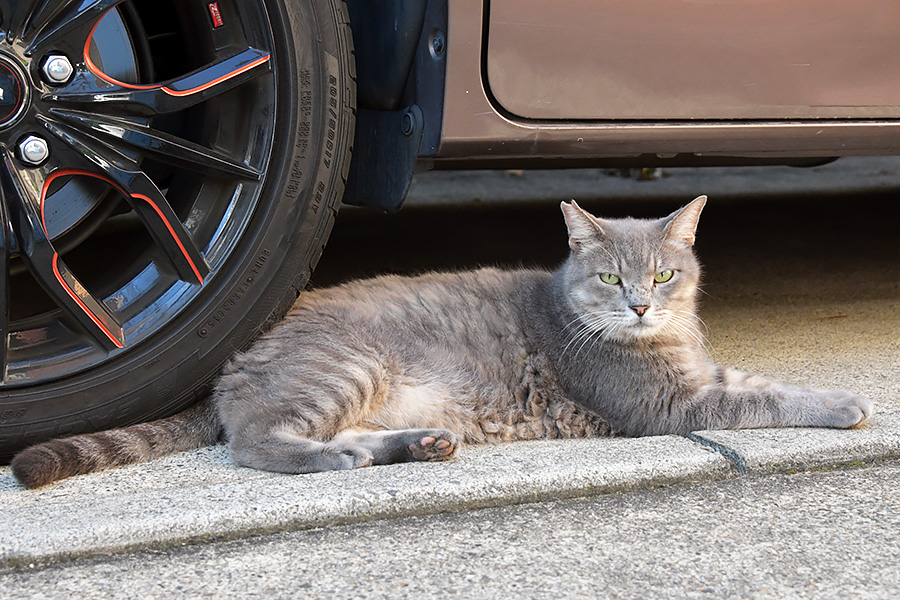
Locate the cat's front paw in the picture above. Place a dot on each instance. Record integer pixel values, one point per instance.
(349, 456)
(846, 409)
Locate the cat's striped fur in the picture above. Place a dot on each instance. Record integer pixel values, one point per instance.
(394, 369)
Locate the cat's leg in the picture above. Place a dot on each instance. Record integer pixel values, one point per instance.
(285, 452)
(406, 445)
(742, 400)
(281, 408)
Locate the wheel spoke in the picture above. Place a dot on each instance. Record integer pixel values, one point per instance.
(142, 194)
(104, 94)
(56, 20)
(25, 202)
(20, 17)
(163, 146)
(17, 15)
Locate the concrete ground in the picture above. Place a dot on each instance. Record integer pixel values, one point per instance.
(812, 535)
(802, 284)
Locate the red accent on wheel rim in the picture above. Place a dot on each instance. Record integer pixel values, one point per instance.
(96, 71)
(58, 275)
(78, 301)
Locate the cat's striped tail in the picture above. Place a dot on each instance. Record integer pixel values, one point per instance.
(80, 454)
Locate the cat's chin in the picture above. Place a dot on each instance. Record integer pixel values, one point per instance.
(640, 331)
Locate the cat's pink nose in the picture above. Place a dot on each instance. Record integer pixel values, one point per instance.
(640, 310)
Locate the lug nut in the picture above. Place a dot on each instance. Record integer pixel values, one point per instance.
(33, 150)
(57, 69)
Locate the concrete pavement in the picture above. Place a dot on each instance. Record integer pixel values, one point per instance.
(200, 496)
(815, 535)
(820, 309)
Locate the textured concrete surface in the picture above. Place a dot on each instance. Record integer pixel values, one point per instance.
(201, 496)
(770, 450)
(817, 535)
(828, 343)
(198, 496)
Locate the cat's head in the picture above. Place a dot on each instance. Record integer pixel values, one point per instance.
(632, 279)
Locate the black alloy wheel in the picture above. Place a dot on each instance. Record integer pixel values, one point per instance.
(170, 173)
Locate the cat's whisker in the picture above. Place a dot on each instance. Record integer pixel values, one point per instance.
(596, 324)
(683, 324)
(602, 337)
(593, 336)
(593, 324)
(680, 317)
(695, 318)
(577, 320)
(691, 320)
(572, 323)
(687, 332)
(615, 328)
(587, 338)
(585, 329)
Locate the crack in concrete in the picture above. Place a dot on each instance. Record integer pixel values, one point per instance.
(730, 454)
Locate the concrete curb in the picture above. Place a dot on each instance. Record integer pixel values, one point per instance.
(69, 521)
(761, 451)
(200, 496)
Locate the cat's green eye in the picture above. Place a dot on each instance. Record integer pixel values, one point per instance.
(664, 276)
(609, 278)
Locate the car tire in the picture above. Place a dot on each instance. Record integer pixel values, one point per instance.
(301, 104)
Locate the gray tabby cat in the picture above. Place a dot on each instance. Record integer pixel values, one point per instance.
(397, 369)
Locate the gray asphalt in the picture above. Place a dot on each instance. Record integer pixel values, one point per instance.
(802, 284)
(812, 535)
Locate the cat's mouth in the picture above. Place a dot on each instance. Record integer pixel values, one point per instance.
(619, 325)
(643, 326)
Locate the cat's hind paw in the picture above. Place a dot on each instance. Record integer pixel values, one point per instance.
(438, 444)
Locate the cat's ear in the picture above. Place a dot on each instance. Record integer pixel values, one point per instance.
(584, 228)
(681, 225)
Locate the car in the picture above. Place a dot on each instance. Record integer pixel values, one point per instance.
(172, 170)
